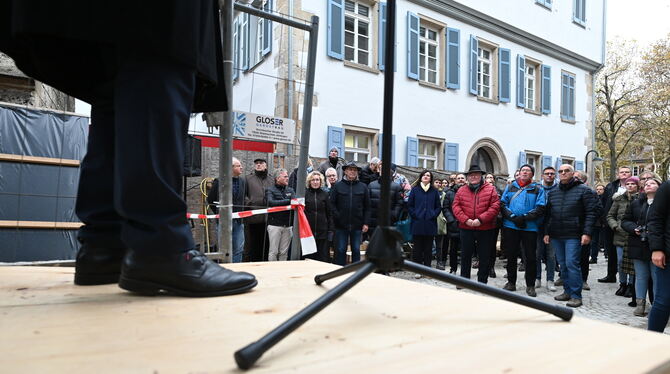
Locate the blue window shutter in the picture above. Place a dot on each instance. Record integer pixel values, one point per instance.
(244, 65)
(382, 35)
(474, 45)
(453, 58)
(504, 87)
(267, 31)
(451, 156)
(579, 165)
(546, 89)
(336, 139)
(520, 79)
(571, 102)
(379, 143)
(236, 49)
(558, 163)
(412, 151)
(522, 159)
(412, 46)
(546, 161)
(335, 38)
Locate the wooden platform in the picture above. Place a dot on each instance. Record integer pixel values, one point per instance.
(384, 325)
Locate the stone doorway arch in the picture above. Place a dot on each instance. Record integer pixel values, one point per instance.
(489, 155)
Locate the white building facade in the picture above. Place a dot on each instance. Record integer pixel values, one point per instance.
(497, 83)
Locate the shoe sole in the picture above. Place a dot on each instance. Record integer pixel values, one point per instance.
(95, 279)
(153, 289)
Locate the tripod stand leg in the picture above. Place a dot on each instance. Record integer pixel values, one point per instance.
(557, 310)
(248, 355)
(341, 271)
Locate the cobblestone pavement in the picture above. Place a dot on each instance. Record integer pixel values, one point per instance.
(599, 303)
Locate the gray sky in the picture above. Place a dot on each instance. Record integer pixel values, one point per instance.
(643, 20)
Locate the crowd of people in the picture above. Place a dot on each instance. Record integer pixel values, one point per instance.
(467, 221)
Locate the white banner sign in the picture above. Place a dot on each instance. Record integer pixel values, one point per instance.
(263, 128)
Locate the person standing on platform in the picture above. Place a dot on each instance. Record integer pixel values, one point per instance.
(350, 201)
(476, 207)
(239, 188)
(658, 225)
(142, 87)
(280, 224)
(523, 204)
(256, 243)
(319, 214)
(424, 207)
(569, 218)
(617, 186)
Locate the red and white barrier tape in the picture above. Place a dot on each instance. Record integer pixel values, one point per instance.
(249, 213)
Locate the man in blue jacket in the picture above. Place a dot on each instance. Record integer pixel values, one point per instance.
(522, 204)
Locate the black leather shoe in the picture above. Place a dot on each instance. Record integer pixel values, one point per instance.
(96, 266)
(188, 273)
(621, 290)
(607, 280)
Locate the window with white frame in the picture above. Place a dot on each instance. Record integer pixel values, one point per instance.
(357, 24)
(485, 72)
(534, 160)
(532, 86)
(579, 12)
(260, 37)
(544, 3)
(429, 61)
(243, 34)
(357, 146)
(428, 154)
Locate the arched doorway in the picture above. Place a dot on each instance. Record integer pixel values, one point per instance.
(488, 154)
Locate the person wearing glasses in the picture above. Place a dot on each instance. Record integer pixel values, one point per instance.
(546, 251)
(570, 216)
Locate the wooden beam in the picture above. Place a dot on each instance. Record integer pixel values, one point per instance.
(38, 160)
(40, 225)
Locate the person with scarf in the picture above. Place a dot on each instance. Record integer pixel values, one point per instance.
(333, 161)
(476, 207)
(424, 207)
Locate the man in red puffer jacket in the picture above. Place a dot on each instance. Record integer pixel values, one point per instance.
(476, 207)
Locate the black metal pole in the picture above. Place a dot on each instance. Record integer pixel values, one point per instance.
(248, 355)
(318, 279)
(557, 310)
(387, 130)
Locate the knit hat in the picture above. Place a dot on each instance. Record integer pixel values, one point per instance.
(532, 169)
(633, 179)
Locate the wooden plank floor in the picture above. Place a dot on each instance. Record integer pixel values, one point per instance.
(384, 325)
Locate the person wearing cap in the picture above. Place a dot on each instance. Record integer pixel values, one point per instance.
(569, 219)
(625, 267)
(333, 161)
(476, 207)
(522, 205)
(257, 244)
(350, 200)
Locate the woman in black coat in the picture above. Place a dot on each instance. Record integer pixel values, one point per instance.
(424, 206)
(319, 215)
(634, 222)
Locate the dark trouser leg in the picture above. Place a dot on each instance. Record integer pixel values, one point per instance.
(492, 257)
(454, 247)
(467, 247)
(512, 243)
(611, 252)
(529, 240)
(152, 107)
(595, 242)
(95, 197)
(422, 249)
(586, 249)
(484, 245)
(255, 241)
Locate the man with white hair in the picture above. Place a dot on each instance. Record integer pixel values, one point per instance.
(370, 173)
(280, 229)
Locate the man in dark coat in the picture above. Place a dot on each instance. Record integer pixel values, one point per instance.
(375, 190)
(452, 223)
(616, 186)
(280, 224)
(143, 67)
(239, 188)
(370, 172)
(569, 219)
(257, 244)
(658, 226)
(350, 201)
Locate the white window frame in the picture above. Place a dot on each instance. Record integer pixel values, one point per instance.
(483, 44)
(355, 150)
(424, 158)
(358, 19)
(481, 63)
(425, 57)
(260, 34)
(535, 159)
(533, 103)
(243, 22)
